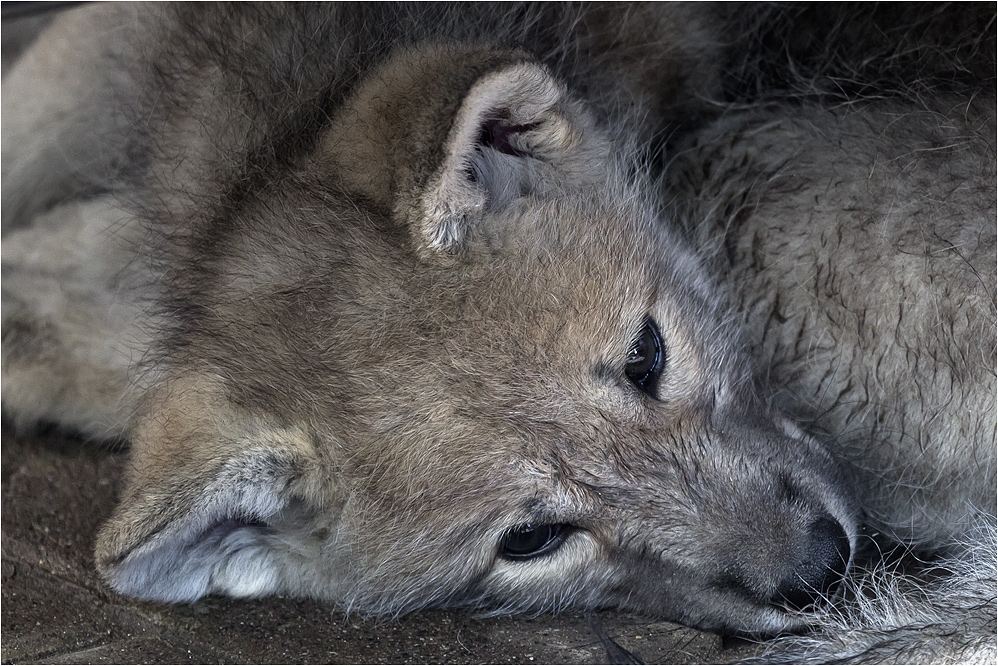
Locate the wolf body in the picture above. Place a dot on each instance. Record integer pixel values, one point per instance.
(410, 327)
(848, 208)
(860, 246)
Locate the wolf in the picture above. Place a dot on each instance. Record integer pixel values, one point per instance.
(388, 305)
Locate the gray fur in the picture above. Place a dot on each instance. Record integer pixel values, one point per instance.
(873, 313)
(859, 244)
(392, 262)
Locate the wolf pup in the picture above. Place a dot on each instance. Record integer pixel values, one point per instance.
(419, 339)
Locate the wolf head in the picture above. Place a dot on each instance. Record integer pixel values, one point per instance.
(450, 356)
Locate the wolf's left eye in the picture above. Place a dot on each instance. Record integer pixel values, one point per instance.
(529, 541)
(646, 359)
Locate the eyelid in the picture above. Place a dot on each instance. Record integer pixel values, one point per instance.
(561, 532)
(634, 333)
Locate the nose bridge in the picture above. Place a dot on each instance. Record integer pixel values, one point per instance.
(751, 509)
(784, 479)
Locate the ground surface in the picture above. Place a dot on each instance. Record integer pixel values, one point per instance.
(56, 493)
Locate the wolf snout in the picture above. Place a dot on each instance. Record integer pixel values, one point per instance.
(820, 570)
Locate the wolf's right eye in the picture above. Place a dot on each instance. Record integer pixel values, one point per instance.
(529, 541)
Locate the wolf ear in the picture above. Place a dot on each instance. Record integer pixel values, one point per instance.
(514, 135)
(479, 130)
(203, 511)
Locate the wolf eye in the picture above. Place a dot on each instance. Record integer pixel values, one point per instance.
(529, 541)
(646, 359)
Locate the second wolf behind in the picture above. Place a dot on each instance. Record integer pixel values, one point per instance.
(851, 215)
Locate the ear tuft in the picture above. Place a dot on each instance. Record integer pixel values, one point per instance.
(203, 531)
(510, 138)
(208, 501)
(440, 136)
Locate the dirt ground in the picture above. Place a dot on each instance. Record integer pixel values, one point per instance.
(58, 490)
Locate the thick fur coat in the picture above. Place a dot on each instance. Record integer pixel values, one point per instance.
(661, 307)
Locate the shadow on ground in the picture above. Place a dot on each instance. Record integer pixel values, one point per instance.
(57, 491)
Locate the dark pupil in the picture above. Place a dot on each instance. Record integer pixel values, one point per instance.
(642, 357)
(530, 541)
(646, 359)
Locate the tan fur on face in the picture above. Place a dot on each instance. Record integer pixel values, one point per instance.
(398, 290)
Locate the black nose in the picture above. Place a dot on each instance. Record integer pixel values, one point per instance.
(822, 567)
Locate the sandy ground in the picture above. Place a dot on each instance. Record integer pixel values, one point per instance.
(58, 490)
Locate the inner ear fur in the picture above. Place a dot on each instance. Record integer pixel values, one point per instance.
(202, 506)
(437, 138)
